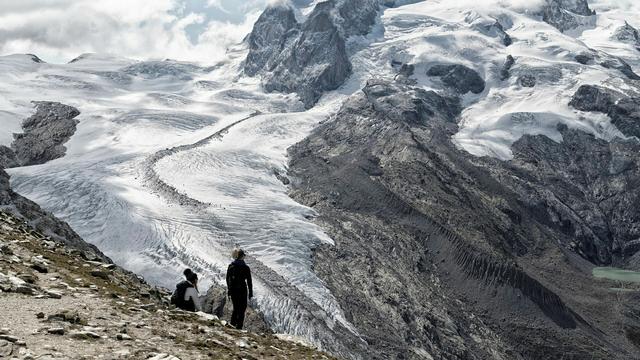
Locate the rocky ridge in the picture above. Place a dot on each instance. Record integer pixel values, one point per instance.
(45, 133)
(566, 14)
(59, 304)
(461, 244)
(307, 58)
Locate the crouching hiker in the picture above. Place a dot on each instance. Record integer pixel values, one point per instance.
(239, 286)
(186, 296)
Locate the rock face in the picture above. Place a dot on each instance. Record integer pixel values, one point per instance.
(495, 29)
(45, 133)
(458, 77)
(269, 37)
(565, 14)
(505, 71)
(8, 158)
(308, 58)
(607, 61)
(453, 236)
(623, 110)
(625, 115)
(215, 302)
(628, 34)
(594, 98)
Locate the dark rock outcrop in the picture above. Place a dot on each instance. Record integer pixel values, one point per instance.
(565, 14)
(45, 133)
(316, 61)
(458, 77)
(495, 29)
(215, 302)
(607, 61)
(505, 71)
(453, 235)
(623, 110)
(527, 80)
(594, 98)
(8, 158)
(274, 27)
(625, 115)
(628, 34)
(309, 58)
(620, 65)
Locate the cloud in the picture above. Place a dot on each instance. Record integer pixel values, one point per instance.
(59, 30)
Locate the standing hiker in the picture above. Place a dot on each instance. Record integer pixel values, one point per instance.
(186, 296)
(239, 287)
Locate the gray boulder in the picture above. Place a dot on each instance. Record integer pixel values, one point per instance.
(45, 133)
(215, 302)
(458, 77)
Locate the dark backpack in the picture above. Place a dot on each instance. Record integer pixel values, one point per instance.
(235, 277)
(177, 298)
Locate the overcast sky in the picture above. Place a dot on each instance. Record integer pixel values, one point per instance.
(59, 30)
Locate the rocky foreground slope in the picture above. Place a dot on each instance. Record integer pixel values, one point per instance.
(59, 302)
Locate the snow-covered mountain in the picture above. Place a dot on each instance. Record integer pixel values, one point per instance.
(462, 164)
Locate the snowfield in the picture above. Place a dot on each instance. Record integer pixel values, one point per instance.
(140, 181)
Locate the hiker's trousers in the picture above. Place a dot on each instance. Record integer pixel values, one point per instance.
(239, 300)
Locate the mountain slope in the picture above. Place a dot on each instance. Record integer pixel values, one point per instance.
(59, 304)
(444, 243)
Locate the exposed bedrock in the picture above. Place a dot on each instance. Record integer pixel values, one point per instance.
(494, 29)
(623, 110)
(8, 158)
(607, 61)
(215, 302)
(45, 133)
(505, 71)
(566, 14)
(438, 252)
(309, 58)
(628, 34)
(458, 77)
(269, 37)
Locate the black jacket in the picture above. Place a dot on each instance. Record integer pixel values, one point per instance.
(181, 303)
(239, 278)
